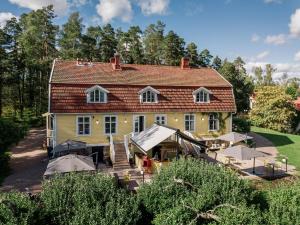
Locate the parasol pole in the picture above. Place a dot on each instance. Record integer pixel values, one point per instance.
(253, 165)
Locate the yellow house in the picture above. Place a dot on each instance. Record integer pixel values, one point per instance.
(92, 101)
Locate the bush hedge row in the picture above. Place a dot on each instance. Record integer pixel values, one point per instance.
(187, 192)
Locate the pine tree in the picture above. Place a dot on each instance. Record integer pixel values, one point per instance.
(192, 53)
(108, 43)
(70, 37)
(217, 63)
(153, 43)
(38, 41)
(205, 58)
(135, 45)
(173, 49)
(91, 43)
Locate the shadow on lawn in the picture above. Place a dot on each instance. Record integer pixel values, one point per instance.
(276, 139)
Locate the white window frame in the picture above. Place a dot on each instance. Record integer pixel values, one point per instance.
(216, 119)
(160, 115)
(205, 91)
(150, 90)
(93, 89)
(133, 125)
(77, 125)
(104, 124)
(194, 127)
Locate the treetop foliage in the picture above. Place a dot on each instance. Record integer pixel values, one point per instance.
(273, 109)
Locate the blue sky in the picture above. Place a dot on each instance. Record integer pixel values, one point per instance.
(260, 31)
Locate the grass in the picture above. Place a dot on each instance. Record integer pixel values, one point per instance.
(288, 145)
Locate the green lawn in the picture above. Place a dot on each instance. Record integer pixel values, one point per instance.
(288, 145)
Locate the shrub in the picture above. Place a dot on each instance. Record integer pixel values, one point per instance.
(283, 205)
(16, 208)
(189, 187)
(241, 125)
(88, 199)
(10, 133)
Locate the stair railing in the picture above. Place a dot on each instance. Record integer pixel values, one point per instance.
(126, 145)
(112, 149)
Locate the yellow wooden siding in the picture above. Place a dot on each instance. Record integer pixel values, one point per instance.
(66, 125)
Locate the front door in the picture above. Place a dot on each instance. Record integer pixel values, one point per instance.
(138, 124)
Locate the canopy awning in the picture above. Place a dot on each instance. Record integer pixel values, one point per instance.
(152, 136)
(70, 163)
(234, 137)
(156, 134)
(241, 152)
(69, 145)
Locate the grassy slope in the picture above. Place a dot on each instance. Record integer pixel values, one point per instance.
(287, 144)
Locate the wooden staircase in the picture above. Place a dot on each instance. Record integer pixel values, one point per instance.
(121, 161)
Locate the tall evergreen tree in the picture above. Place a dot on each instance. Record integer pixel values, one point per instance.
(217, 63)
(268, 79)
(192, 53)
(108, 43)
(205, 58)
(242, 84)
(136, 47)
(3, 66)
(91, 42)
(15, 64)
(258, 76)
(153, 42)
(173, 49)
(70, 37)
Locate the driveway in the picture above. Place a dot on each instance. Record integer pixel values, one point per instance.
(28, 163)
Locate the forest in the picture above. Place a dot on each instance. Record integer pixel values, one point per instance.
(29, 45)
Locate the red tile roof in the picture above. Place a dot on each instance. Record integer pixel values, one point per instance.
(131, 74)
(71, 98)
(175, 85)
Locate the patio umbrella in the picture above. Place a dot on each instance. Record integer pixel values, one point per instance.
(241, 152)
(69, 145)
(70, 163)
(234, 137)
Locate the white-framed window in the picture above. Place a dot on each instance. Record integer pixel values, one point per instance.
(110, 124)
(148, 95)
(83, 125)
(161, 119)
(213, 122)
(202, 95)
(189, 122)
(96, 94)
(139, 123)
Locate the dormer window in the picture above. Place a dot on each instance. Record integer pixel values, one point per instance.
(148, 95)
(202, 95)
(96, 94)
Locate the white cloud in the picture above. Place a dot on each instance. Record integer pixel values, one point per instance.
(60, 6)
(293, 70)
(295, 24)
(255, 38)
(78, 3)
(262, 55)
(279, 39)
(4, 16)
(149, 7)
(110, 9)
(297, 56)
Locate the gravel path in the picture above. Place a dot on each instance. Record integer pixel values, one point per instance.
(28, 163)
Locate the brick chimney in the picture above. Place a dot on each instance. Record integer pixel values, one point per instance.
(115, 62)
(185, 63)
